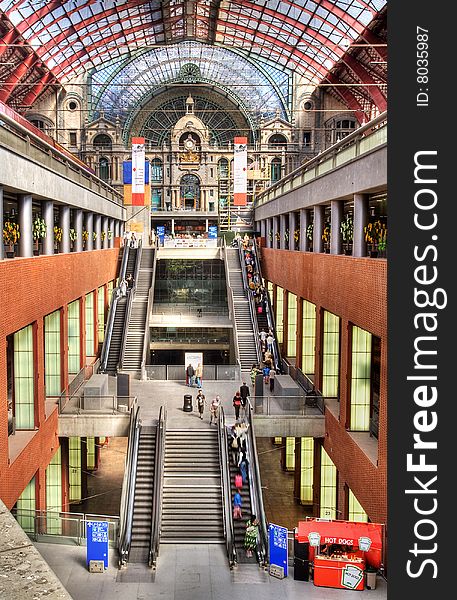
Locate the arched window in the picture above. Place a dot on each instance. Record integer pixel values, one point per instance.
(277, 141)
(104, 168)
(156, 170)
(275, 170)
(222, 168)
(190, 192)
(103, 141)
(343, 127)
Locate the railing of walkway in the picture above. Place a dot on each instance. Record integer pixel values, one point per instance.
(226, 489)
(93, 405)
(149, 309)
(77, 381)
(361, 141)
(285, 406)
(231, 305)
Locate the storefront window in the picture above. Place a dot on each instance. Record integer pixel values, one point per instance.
(307, 465)
(24, 392)
(308, 337)
(279, 313)
(54, 493)
(328, 487)
(74, 340)
(52, 354)
(90, 334)
(331, 355)
(356, 512)
(291, 325)
(360, 379)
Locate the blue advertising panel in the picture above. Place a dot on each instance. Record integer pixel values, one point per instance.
(127, 172)
(97, 541)
(212, 231)
(277, 536)
(160, 230)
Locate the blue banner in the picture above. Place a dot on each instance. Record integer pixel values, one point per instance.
(212, 231)
(160, 230)
(277, 536)
(97, 541)
(127, 172)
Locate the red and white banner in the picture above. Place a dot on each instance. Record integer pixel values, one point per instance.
(138, 171)
(240, 168)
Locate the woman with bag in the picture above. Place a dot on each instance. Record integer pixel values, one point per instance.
(237, 404)
(250, 537)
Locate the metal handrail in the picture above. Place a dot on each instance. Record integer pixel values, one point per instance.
(250, 299)
(112, 314)
(146, 338)
(255, 486)
(226, 490)
(269, 313)
(156, 524)
(231, 304)
(128, 311)
(128, 487)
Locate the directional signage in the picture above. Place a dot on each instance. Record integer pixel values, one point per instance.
(97, 541)
(277, 536)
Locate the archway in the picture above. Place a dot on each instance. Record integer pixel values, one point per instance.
(190, 192)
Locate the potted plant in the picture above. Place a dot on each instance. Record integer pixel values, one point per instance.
(347, 233)
(110, 234)
(11, 236)
(326, 233)
(376, 237)
(277, 237)
(310, 235)
(39, 232)
(103, 236)
(73, 237)
(58, 231)
(94, 235)
(297, 238)
(286, 237)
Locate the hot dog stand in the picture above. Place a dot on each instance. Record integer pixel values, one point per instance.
(340, 551)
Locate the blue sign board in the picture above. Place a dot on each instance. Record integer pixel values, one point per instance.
(127, 172)
(97, 541)
(160, 230)
(212, 231)
(277, 537)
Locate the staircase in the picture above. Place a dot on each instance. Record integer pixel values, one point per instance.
(133, 354)
(239, 525)
(116, 337)
(144, 485)
(246, 341)
(192, 509)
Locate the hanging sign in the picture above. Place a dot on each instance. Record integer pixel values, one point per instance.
(240, 169)
(278, 546)
(97, 541)
(138, 171)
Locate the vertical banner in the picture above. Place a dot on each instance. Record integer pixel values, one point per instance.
(240, 169)
(138, 171)
(278, 546)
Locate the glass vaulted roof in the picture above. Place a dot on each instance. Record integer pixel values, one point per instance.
(307, 36)
(121, 86)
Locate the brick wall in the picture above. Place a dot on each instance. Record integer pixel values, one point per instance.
(355, 289)
(30, 289)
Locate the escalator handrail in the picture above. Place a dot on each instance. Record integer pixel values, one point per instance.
(269, 313)
(229, 530)
(147, 339)
(255, 485)
(128, 486)
(231, 305)
(128, 310)
(112, 314)
(156, 519)
(252, 308)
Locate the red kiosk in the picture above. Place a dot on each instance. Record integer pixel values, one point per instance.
(341, 550)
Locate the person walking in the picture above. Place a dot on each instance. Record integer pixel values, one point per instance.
(237, 405)
(266, 374)
(199, 375)
(270, 342)
(201, 401)
(237, 503)
(244, 393)
(132, 240)
(263, 336)
(214, 410)
(123, 288)
(251, 535)
(130, 281)
(272, 376)
(238, 481)
(190, 375)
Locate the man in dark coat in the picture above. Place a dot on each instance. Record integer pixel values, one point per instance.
(244, 393)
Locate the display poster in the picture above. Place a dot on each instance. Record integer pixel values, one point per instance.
(277, 537)
(240, 168)
(193, 358)
(212, 231)
(160, 230)
(97, 541)
(138, 171)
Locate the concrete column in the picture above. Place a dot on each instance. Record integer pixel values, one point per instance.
(172, 227)
(25, 225)
(64, 219)
(304, 222)
(318, 244)
(336, 242)
(263, 228)
(121, 228)
(117, 228)
(2, 250)
(89, 226)
(47, 212)
(105, 231)
(111, 229)
(292, 226)
(282, 232)
(359, 247)
(98, 231)
(78, 226)
(275, 231)
(206, 225)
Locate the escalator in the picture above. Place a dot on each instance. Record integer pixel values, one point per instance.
(141, 491)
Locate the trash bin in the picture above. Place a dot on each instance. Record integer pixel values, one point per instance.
(187, 406)
(371, 578)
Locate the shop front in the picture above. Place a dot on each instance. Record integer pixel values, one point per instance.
(341, 551)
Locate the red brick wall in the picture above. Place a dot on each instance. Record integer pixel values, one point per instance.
(30, 289)
(355, 289)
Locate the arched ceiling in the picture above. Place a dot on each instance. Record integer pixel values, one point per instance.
(46, 42)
